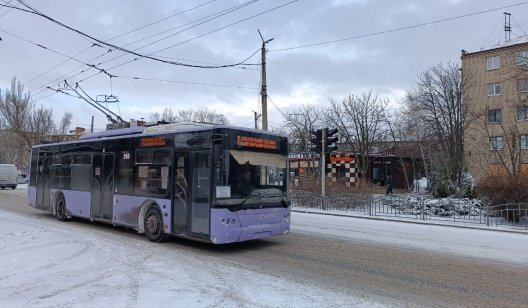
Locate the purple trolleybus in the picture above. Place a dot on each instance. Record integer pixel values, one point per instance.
(210, 183)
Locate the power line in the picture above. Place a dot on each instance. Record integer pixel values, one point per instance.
(185, 82)
(59, 64)
(135, 59)
(229, 25)
(160, 20)
(206, 19)
(283, 114)
(50, 49)
(218, 29)
(33, 11)
(117, 36)
(400, 28)
(9, 10)
(71, 71)
(61, 77)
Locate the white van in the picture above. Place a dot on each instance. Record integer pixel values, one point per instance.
(8, 176)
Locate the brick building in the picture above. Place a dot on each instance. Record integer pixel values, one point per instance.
(495, 95)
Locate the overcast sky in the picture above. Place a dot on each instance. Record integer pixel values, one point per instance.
(384, 63)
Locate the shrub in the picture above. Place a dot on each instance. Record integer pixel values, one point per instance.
(504, 189)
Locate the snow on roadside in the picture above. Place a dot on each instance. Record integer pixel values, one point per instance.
(50, 265)
(475, 243)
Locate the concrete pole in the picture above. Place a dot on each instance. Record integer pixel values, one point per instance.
(263, 91)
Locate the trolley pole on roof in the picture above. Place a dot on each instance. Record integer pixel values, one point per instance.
(264, 90)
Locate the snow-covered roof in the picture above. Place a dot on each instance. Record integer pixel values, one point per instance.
(513, 42)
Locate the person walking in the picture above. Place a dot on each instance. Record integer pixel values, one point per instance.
(389, 184)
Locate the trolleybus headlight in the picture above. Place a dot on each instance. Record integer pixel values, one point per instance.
(227, 221)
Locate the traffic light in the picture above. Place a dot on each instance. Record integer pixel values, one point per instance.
(331, 140)
(316, 140)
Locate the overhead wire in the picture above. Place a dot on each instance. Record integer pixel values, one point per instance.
(50, 49)
(213, 31)
(184, 82)
(119, 65)
(8, 10)
(117, 36)
(145, 56)
(518, 25)
(61, 77)
(283, 114)
(490, 34)
(163, 19)
(399, 28)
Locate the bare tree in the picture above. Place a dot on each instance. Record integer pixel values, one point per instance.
(360, 121)
(24, 124)
(64, 124)
(167, 116)
(40, 126)
(437, 99)
(15, 107)
(298, 124)
(202, 115)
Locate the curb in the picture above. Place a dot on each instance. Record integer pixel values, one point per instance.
(381, 218)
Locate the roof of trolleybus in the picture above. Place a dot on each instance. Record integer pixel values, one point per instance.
(159, 129)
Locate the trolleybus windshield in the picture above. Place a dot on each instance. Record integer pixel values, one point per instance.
(255, 180)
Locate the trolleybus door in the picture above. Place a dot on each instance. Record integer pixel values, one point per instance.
(43, 182)
(180, 193)
(102, 185)
(201, 182)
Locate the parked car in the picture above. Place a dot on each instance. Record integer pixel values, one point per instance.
(23, 179)
(8, 176)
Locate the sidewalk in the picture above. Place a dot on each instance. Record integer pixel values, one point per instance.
(467, 224)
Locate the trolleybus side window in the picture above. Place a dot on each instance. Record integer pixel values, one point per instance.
(81, 172)
(125, 173)
(61, 171)
(152, 171)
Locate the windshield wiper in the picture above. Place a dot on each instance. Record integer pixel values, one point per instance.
(238, 206)
(259, 196)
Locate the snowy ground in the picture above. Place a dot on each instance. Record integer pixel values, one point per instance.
(475, 243)
(46, 263)
(51, 264)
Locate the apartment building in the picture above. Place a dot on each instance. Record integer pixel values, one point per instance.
(495, 85)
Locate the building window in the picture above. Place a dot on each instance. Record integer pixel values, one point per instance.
(494, 115)
(494, 89)
(522, 85)
(523, 140)
(496, 143)
(493, 63)
(522, 113)
(521, 57)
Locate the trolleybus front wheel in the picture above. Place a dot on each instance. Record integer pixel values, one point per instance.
(154, 225)
(60, 208)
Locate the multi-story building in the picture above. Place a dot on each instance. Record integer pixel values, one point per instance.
(495, 83)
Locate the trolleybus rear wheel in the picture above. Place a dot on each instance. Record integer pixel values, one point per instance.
(60, 208)
(154, 225)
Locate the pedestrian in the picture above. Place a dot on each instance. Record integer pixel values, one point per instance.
(389, 184)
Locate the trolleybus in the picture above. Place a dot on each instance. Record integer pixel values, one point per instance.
(212, 183)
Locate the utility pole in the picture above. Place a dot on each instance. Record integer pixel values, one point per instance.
(91, 126)
(263, 91)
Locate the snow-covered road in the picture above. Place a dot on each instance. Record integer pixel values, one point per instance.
(45, 263)
(326, 262)
(475, 243)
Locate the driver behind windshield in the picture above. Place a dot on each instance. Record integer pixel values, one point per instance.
(244, 186)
